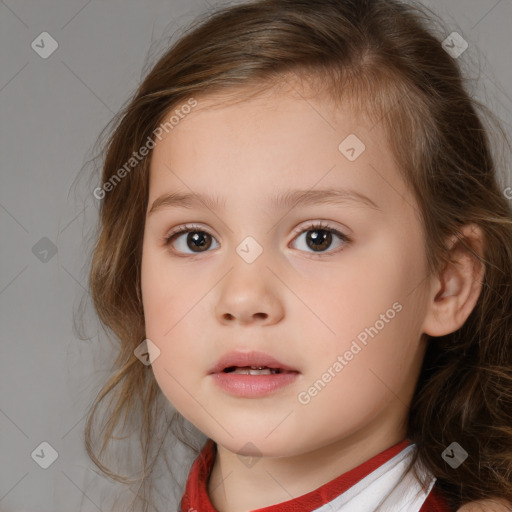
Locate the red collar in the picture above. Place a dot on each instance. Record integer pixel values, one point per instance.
(196, 491)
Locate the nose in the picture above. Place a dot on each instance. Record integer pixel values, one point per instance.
(249, 294)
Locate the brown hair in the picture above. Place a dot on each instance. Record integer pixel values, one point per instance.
(385, 58)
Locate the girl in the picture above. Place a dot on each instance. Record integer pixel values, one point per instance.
(303, 236)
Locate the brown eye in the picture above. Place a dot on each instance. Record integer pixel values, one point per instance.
(319, 237)
(195, 240)
(190, 240)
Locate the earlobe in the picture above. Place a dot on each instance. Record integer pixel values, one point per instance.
(454, 293)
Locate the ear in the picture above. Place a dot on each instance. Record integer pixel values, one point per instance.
(454, 293)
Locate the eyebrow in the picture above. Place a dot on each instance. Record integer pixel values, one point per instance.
(284, 200)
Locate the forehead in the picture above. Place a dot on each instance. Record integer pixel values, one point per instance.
(249, 143)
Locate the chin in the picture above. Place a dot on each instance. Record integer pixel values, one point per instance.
(259, 445)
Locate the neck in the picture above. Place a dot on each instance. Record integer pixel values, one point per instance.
(235, 486)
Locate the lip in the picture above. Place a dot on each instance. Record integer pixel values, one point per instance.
(251, 386)
(252, 358)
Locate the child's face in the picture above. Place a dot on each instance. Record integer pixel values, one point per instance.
(347, 316)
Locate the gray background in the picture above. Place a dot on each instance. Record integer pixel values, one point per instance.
(52, 111)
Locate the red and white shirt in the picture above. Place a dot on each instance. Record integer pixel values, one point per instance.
(380, 484)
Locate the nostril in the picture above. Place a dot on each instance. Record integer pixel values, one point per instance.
(229, 316)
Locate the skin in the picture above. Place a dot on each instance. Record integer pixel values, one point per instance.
(300, 306)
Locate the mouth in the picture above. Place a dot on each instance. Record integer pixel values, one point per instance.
(250, 363)
(254, 370)
(252, 374)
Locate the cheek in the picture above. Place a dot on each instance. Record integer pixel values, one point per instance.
(180, 350)
(164, 293)
(378, 374)
(171, 304)
(369, 301)
(167, 308)
(376, 320)
(169, 320)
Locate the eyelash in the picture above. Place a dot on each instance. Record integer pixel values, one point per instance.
(317, 226)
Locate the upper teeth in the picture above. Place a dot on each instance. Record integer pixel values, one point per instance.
(255, 370)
